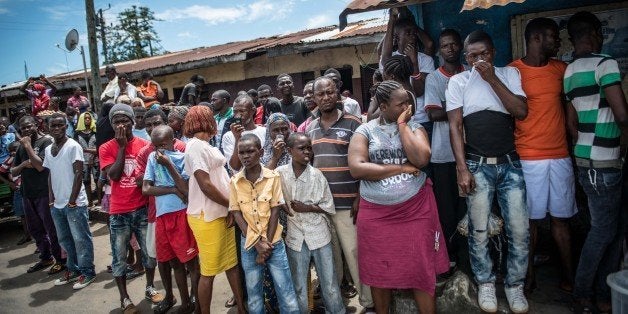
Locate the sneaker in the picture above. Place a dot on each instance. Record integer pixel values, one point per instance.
(67, 278)
(128, 307)
(153, 295)
(83, 282)
(516, 299)
(486, 297)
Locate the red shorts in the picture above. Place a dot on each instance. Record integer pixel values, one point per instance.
(174, 238)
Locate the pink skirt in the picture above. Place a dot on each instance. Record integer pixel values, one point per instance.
(402, 246)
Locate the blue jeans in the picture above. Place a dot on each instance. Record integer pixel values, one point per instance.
(507, 181)
(602, 248)
(75, 238)
(324, 263)
(120, 228)
(277, 264)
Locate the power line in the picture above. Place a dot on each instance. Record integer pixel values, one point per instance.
(32, 23)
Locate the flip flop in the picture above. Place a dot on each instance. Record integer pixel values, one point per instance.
(164, 305)
(231, 302)
(41, 265)
(56, 268)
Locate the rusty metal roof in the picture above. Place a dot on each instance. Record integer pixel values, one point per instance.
(358, 6)
(235, 51)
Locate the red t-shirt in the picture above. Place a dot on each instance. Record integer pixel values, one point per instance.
(142, 160)
(126, 196)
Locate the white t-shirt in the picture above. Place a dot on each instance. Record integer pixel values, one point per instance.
(469, 91)
(62, 173)
(352, 107)
(199, 155)
(435, 87)
(228, 141)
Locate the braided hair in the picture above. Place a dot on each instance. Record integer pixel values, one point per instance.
(399, 67)
(385, 89)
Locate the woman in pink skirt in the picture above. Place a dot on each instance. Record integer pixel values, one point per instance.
(400, 242)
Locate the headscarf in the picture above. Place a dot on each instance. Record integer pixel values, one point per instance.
(285, 158)
(104, 130)
(179, 112)
(80, 125)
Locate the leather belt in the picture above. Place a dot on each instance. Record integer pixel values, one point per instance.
(512, 156)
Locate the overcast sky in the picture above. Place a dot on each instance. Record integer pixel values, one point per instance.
(31, 29)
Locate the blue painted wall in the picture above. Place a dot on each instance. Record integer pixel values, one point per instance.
(443, 14)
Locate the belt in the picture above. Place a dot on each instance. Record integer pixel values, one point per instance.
(588, 163)
(512, 156)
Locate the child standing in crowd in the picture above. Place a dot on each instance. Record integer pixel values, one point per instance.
(165, 179)
(255, 200)
(308, 195)
(6, 138)
(14, 183)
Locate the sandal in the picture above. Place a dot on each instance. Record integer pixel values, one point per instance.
(128, 307)
(348, 291)
(164, 305)
(581, 307)
(40, 266)
(24, 240)
(187, 308)
(56, 268)
(231, 302)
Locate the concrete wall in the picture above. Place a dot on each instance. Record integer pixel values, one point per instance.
(244, 75)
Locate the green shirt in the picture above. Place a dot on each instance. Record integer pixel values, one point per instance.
(584, 83)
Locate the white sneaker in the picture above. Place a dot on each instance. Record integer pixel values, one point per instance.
(67, 277)
(516, 299)
(486, 297)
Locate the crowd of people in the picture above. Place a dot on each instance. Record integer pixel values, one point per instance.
(264, 188)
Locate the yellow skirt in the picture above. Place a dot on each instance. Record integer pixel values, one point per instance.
(216, 245)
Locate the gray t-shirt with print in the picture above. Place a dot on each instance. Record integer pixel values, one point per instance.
(385, 148)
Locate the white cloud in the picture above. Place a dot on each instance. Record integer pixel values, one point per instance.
(319, 20)
(58, 13)
(186, 34)
(259, 10)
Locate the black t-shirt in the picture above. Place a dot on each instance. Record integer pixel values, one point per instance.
(297, 112)
(34, 183)
(489, 133)
(189, 89)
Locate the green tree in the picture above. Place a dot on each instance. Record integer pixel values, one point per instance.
(133, 36)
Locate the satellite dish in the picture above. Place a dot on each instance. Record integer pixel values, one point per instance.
(71, 40)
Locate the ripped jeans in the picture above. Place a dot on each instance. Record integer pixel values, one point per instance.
(602, 248)
(506, 180)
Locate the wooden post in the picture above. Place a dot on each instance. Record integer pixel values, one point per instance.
(93, 53)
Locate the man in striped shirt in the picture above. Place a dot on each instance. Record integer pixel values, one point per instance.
(597, 114)
(330, 134)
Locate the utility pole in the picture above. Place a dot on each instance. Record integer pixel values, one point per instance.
(93, 52)
(103, 38)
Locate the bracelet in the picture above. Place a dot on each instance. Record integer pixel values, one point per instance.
(401, 123)
(51, 204)
(71, 205)
(415, 76)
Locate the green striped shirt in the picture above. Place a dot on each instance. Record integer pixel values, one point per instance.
(585, 80)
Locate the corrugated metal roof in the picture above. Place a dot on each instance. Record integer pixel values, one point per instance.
(358, 6)
(233, 49)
